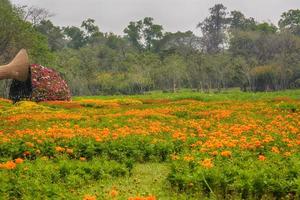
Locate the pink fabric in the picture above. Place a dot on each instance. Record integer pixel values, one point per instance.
(48, 85)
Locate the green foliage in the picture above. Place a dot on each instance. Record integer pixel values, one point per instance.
(144, 34)
(266, 28)
(75, 36)
(16, 34)
(213, 28)
(264, 78)
(238, 21)
(131, 149)
(53, 33)
(45, 178)
(290, 21)
(228, 54)
(244, 179)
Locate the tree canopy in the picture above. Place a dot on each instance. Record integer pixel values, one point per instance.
(233, 50)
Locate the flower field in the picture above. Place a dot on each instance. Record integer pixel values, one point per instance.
(165, 146)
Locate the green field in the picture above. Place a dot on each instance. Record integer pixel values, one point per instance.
(184, 145)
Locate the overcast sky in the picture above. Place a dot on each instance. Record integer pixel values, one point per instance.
(174, 15)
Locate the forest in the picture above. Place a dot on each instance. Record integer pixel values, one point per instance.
(233, 50)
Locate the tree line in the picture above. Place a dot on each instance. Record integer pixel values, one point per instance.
(233, 51)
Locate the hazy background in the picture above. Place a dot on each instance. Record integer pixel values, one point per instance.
(174, 15)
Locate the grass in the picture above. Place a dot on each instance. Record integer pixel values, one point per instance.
(146, 179)
(229, 94)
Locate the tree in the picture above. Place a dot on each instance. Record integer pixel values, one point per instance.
(213, 29)
(238, 22)
(34, 14)
(290, 21)
(152, 33)
(90, 27)
(133, 33)
(264, 78)
(118, 43)
(266, 28)
(172, 72)
(182, 43)
(76, 37)
(144, 34)
(139, 69)
(53, 33)
(92, 31)
(15, 33)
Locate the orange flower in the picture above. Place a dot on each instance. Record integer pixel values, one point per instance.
(287, 154)
(226, 153)
(261, 157)
(82, 158)
(179, 136)
(8, 165)
(89, 197)
(69, 151)
(29, 144)
(188, 158)
(214, 153)
(39, 141)
(275, 150)
(59, 149)
(114, 193)
(19, 160)
(207, 163)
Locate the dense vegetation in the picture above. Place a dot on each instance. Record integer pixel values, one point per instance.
(233, 51)
(187, 145)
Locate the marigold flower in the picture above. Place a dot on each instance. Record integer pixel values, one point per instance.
(69, 151)
(82, 158)
(114, 193)
(89, 197)
(226, 153)
(275, 150)
(59, 149)
(188, 158)
(19, 160)
(8, 165)
(29, 144)
(214, 153)
(261, 157)
(287, 154)
(207, 163)
(39, 141)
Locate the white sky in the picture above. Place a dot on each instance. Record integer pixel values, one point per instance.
(174, 15)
